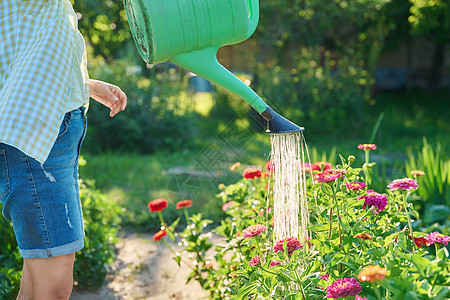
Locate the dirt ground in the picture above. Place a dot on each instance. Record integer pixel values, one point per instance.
(144, 269)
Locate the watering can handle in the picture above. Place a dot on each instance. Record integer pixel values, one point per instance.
(253, 17)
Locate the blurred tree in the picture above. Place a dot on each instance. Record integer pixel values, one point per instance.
(105, 27)
(431, 18)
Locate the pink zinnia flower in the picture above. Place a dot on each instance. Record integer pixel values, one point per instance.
(363, 236)
(325, 277)
(292, 244)
(270, 166)
(374, 199)
(157, 205)
(255, 261)
(336, 171)
(274, 263)
(367, 146)
(403, 184)
(321, 166)
(326, 177)
(184, 203)
(347, 287)
(227, 205)
(159, 235)
(436, 237)
(360, 298)
(253, 230)
(251, 173)
(355, 185)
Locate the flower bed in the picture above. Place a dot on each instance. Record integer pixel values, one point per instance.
(362, 243)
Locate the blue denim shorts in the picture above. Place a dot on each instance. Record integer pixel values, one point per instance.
(43, 201)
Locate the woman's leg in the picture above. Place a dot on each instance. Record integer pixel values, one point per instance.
(47, 278)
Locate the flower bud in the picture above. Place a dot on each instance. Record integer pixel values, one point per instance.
(351, 159)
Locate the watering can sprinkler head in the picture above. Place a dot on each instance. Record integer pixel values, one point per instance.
(277, 124)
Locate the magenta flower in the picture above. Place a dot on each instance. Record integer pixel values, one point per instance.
(355, 185)
(325, 277)
(255, 261)
(327, 177)
(274, 263)
(253, 230)
(292, 244)
(336, 171)
(436, 237)
(403, 184)
(367, 146)
(360, 298)
(347, 287)
(374, 199)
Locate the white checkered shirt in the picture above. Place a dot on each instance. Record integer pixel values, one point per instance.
(36, 54)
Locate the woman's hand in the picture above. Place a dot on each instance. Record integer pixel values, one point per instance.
(109, 95)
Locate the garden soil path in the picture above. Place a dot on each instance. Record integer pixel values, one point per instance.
(144, 269)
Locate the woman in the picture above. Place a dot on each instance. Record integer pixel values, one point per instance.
(44, 92)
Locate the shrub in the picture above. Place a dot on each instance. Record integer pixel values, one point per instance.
(101, 218)
(356, 235)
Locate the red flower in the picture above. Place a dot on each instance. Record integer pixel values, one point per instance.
(367, 146)
(252, 173)
(363, 236)
(157, 205)
(419, 241)
(253, 230)
(184, 203)
(292, 244)
(321, 166)
(255, 261)
(159, 235)
(327, 177)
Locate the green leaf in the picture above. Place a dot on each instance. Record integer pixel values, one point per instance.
(390, 238)
(420, 263)
(245, 291)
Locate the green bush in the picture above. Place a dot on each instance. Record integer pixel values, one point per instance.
(10, 261)
(101, 218)
(158, 116)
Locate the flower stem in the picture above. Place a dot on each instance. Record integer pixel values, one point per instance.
(331, 223)
(257, 246)
(377, 292)
(174, 253)
(339, 216)
(186, 215)
(161, 219)
(409, 219)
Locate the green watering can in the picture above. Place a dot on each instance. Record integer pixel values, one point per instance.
(189, 33)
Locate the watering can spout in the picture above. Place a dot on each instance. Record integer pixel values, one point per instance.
(277, 124)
